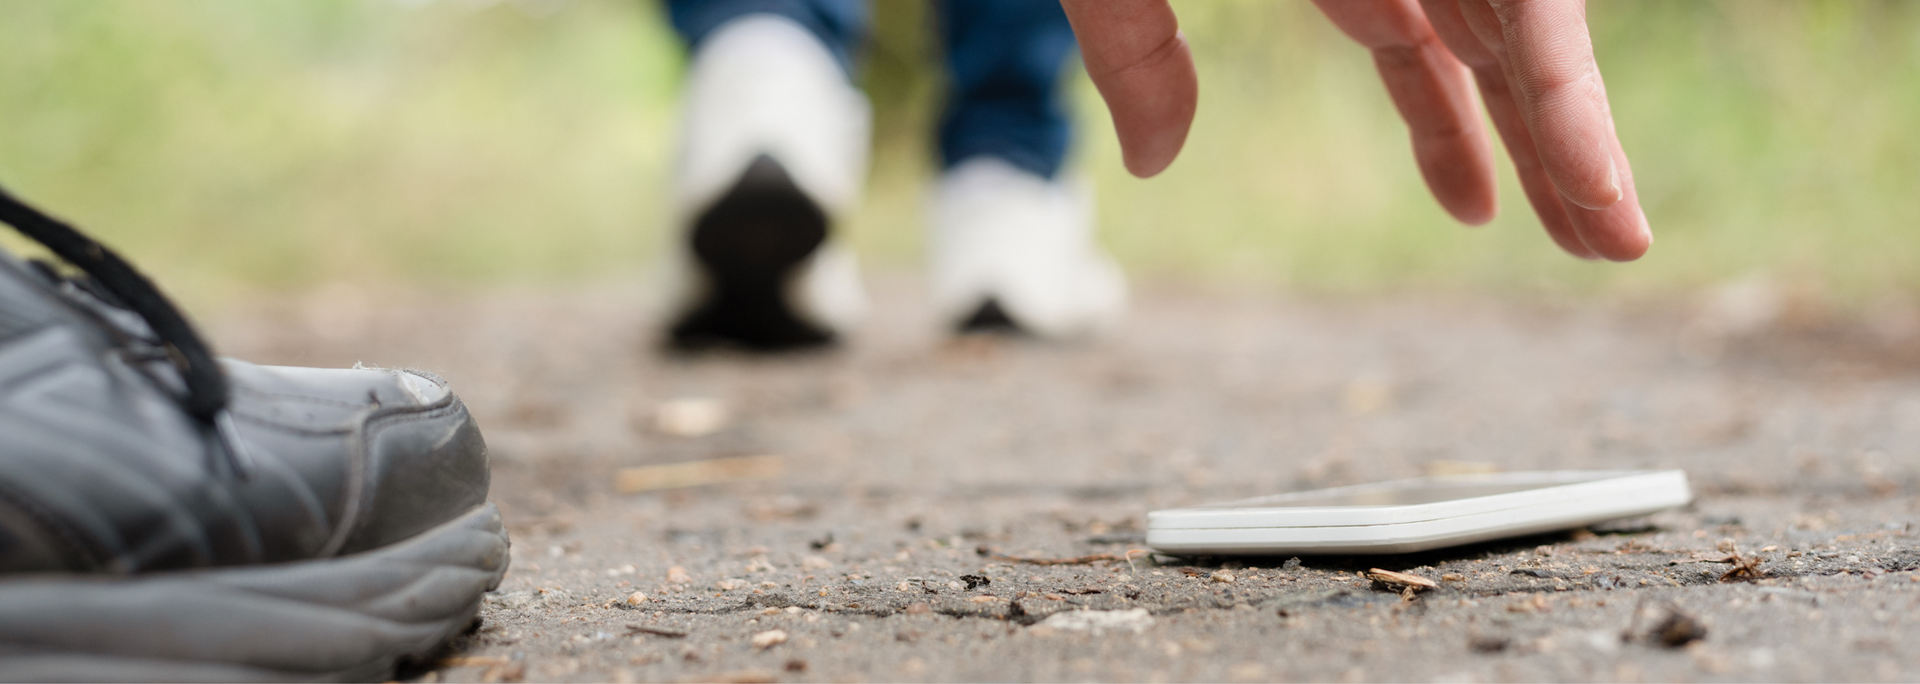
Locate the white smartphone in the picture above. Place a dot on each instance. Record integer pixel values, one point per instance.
(1403, 516)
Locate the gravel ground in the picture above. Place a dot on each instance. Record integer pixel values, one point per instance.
(915, 469)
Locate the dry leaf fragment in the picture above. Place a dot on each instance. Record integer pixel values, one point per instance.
(1744, 568)
(1401, 579)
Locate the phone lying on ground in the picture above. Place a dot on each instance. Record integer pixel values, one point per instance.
(1403, 516)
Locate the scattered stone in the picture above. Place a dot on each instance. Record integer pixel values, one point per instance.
(1289, 605)
(691, 416)
(678, 575)
(815, 563)
(975, 581)
(1536, 604)
(1222, 576)
(1453, 577)
(769, 639)
(1136, 620)
(636, 598)
(1480, 643)
(529, 598)
(729, 584)
(984, 599)
(1677, 629)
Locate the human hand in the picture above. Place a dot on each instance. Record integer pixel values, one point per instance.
(1532, 61)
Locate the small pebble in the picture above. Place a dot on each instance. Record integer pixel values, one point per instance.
(691, 416)
(636, 598)
(769, 638)
(1222, 576)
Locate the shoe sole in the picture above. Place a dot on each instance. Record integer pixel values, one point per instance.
(990, 319)
(750, 245)
(348, 618)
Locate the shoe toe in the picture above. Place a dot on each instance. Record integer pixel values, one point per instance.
(374, 455)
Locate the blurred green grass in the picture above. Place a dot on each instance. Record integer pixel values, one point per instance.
(233, 147)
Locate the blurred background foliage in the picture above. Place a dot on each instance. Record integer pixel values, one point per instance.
(237, 146)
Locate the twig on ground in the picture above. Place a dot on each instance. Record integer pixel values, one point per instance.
(656, 631)
(696, 473)
(1076, 560)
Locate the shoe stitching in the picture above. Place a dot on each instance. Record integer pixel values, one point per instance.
(270, 423)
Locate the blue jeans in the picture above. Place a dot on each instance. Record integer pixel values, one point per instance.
(1003, 59)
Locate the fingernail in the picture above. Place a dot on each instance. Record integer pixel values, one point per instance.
(1613, 180)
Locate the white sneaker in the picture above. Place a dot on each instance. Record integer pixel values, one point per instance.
(773, 152)
(1013, 250)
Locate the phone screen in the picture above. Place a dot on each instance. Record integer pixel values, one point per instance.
(1394, 494)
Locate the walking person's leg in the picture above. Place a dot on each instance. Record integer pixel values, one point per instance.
(773, 154)
(1004, 60)
(1012, 240)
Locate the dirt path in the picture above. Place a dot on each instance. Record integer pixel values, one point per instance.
(906, 456)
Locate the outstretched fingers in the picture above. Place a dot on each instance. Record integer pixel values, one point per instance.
(1533, 60)
(1139, 61)
(1430, 88)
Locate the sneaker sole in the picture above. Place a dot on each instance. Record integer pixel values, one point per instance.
(750, 245)
(348, 618)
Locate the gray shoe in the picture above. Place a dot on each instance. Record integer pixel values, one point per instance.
(167, 517)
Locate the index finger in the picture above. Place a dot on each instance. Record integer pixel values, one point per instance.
(1139, 61)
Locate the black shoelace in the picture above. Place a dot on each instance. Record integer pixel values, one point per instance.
(206, 393)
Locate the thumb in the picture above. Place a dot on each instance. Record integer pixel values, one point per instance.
(1139, 61)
